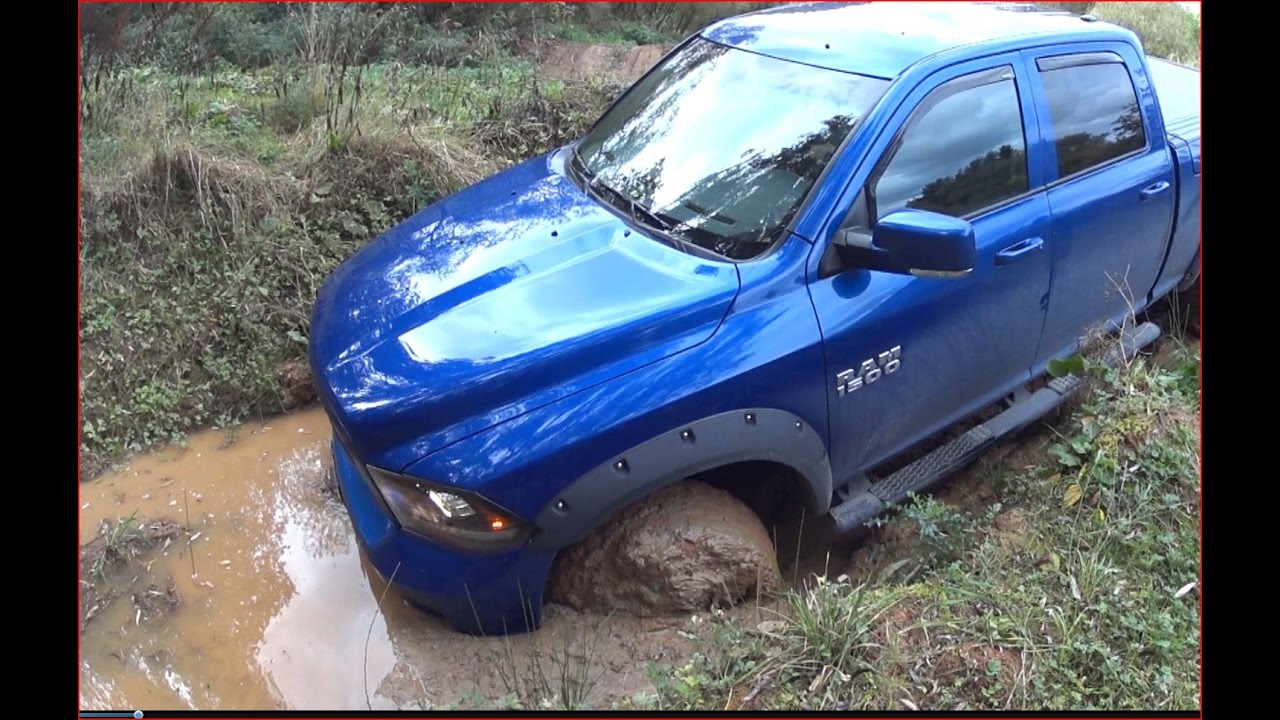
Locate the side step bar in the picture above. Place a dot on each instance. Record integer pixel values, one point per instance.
(873, 499)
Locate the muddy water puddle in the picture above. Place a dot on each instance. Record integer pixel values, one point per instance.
(281, 611)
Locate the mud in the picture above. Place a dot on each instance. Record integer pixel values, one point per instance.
(281, 611)
(296, 386)
(108, 565)
(153, 603)
(120, 543)
(720, 555)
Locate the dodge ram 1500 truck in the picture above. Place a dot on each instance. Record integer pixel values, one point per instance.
(807, 241)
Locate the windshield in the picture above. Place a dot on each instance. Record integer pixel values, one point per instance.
(718, 147)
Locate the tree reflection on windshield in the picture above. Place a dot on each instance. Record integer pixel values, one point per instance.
(725, 144)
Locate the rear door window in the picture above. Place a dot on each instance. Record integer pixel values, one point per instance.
(1093, 109)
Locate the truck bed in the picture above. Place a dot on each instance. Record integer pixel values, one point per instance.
(1178, 90)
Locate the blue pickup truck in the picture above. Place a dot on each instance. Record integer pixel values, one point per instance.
(803, 245)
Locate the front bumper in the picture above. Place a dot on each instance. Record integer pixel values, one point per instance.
(486, 594)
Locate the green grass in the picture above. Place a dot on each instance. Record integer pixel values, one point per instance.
(1061, 594)
(115, 538)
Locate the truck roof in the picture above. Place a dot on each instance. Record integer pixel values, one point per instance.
(882, 39)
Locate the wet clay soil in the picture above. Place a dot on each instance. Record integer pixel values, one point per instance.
(282, 612)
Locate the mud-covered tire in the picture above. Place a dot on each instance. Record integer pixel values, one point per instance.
(684, 548)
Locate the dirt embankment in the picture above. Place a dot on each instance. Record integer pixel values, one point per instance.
(577, 61)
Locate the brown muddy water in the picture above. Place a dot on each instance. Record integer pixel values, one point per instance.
(282, 612)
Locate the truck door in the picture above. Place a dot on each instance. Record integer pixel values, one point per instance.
(909, 355)
(1110, 187)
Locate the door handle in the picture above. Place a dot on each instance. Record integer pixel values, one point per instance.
(1153, 190)
(1019, 250)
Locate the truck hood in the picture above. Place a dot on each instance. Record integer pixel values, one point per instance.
(493, 302)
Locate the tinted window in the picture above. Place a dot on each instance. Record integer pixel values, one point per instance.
(722, 145)
(1095, 115)
(963, 149)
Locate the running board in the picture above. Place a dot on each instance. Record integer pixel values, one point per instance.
(875, 498)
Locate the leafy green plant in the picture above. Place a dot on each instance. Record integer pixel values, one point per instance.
(1062, 367)
(945, 531)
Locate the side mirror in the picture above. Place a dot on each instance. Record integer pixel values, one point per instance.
(915, 242)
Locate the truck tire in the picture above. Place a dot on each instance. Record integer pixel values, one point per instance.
(684, 548)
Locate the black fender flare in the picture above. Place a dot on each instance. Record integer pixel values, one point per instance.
(729, 437)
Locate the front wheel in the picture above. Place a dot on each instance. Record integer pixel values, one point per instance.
(686, 547)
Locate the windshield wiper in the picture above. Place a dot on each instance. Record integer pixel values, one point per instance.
(639, 214)
(575, 158)
(655, 223)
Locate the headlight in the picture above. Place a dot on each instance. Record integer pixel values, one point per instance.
(451, 516)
